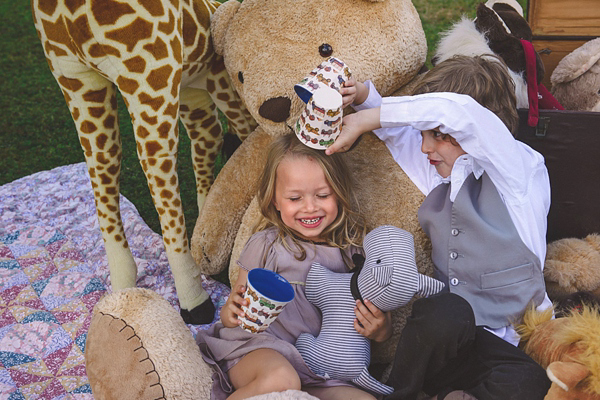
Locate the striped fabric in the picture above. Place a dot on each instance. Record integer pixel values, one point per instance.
(389, 279)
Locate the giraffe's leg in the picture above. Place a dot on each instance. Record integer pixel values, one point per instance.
(93, 104)
(228, 100)
(155, 116)
(199, 116)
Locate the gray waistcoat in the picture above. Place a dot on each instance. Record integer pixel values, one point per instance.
(478, 254)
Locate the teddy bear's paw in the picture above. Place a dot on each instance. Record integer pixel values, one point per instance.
(118, 363)
(138, 347)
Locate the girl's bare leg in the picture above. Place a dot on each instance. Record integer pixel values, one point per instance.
(262, 371)
(339, 393)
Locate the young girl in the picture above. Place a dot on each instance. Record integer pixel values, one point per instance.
(306, 202)
(488, 197)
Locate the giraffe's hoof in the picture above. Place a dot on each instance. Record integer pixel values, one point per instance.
(200, 315)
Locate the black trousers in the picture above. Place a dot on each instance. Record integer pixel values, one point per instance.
(441, 350)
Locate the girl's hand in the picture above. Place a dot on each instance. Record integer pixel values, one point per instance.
(232, 309)
(371, 322)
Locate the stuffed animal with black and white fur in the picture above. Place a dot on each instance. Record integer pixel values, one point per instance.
(388, 278)
(501, 30)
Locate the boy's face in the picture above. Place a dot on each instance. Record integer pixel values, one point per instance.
(441, 151)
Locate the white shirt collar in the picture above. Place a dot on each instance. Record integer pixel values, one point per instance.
(462, 168)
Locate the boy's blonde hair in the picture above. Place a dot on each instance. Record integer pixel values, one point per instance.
(485, 78)
(347, 229)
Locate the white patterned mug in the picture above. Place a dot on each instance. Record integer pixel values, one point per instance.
(267, 293)
(331, 73)
(321, 121)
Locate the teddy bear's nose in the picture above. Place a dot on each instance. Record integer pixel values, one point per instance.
(276, 109)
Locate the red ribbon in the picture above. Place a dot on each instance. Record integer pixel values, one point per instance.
(532, 86)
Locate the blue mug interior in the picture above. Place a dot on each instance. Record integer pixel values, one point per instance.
(303, 93)
(271, 285)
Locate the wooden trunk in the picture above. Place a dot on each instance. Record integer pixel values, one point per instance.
(560, 26)
(570, 144)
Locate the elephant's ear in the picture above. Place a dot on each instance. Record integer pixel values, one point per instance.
(429, 286)
(382, 275)
(219, 23)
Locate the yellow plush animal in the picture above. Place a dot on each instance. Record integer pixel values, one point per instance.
(569, 349)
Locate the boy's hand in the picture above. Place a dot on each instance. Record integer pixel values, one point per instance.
(232, 309)
(354, 125)
(353, 92)
(371, 322)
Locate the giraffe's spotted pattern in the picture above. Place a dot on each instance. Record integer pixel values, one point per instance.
(152, 51)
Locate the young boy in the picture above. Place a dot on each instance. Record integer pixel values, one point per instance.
(488, 197)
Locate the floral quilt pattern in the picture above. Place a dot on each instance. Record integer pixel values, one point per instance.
(53, 270)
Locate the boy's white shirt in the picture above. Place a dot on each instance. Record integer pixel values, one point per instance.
(517, 171)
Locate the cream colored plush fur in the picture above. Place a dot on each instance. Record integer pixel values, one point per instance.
(573, 265)
(166, 345)
(576, 78)
(138, 347)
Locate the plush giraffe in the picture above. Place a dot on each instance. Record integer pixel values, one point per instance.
(159, 55)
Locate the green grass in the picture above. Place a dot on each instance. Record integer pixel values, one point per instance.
(37, 132)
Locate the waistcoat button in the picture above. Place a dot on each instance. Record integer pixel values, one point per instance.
(454, 281)
(454, 232)
(453, 255)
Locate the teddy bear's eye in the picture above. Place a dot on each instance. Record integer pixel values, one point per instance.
(325, 50)
(378, 261)
(241, 77)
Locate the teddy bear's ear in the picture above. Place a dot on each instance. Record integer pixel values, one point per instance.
(577, 63)
(219, 22)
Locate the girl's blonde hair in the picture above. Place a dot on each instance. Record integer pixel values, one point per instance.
(347, 229)
(485, 78)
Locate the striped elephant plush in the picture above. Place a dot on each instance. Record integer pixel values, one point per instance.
(388, 278)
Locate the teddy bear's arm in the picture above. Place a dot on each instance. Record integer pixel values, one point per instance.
(226, 203)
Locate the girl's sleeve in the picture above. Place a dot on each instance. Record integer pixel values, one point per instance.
(253, 253)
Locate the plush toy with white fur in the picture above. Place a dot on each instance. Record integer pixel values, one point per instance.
(501, 30)
(388, 278)
(576, 78)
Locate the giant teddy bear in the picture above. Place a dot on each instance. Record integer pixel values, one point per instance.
(268, 47)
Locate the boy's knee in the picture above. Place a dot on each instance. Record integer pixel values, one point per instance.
(443, 313)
